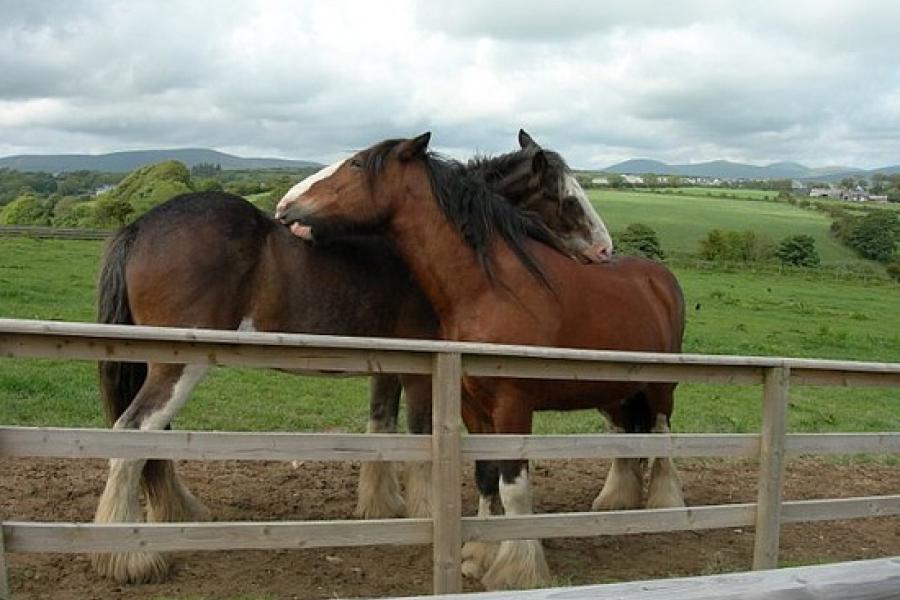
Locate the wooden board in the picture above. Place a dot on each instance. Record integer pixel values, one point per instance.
(209, 445)
(861, 580)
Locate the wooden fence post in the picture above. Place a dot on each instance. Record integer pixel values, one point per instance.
(771, 467)
(4, 584)
(446, 471)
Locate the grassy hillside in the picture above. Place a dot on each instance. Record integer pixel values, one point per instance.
(682, 220)
(728, 313)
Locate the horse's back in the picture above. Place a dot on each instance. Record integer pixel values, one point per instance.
(627, 303)
(192, 258)
(213, 260)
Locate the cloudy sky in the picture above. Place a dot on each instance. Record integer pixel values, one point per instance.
(682, 81)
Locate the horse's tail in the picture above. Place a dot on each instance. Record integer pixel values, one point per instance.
(119, 382)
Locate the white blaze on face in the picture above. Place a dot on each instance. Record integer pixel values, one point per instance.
(599, 233)
(304, 185)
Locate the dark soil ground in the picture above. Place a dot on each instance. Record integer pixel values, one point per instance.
(67, 490)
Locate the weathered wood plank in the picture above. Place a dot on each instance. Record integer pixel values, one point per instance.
(171, 537)
(860, 580)
(846, 377)
(805, 511)
(771, 468)
(620, 522)
(54, 232)
(567, 362)
(209, 445)
(296, 358)
(538, 368)
(632, 445)
(4, 582)
(446, 474)
(842, 443)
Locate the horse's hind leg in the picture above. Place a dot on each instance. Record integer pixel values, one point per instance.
(165, 390)
(665, 485)
(624, 485)
(378, 491)
(167, 498)
(418, 417)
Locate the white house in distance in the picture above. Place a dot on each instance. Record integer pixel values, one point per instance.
(855, 194)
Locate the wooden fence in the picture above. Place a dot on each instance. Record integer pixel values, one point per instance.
(446, 448)
(65, 233)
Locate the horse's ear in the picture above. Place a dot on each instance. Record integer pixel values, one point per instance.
(539, 163)
(526, 141)
(414, 148)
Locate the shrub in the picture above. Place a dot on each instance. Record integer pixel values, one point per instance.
(875, 235)
(736, 246)
(27, 209)
(893, 269)
(799, 251)
(640, 240)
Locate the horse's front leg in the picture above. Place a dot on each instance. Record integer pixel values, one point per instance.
(165, 390)
(477, 555)
(378, 492)
(665, 485)
(518, 563)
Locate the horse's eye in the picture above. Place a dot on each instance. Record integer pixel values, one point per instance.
(356, 163)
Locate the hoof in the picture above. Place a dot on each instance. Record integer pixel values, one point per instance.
(623, 488)
(665, 486)
(477, 558)
(418, 490)
(132, 567)
(519, 565)
(378, 493)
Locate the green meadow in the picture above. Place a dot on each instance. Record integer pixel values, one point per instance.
(681, 221)
(729, 312)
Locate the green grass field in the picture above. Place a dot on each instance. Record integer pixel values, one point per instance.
(681, 221)
(728, 313)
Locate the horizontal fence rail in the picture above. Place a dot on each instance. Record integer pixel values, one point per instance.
(446, 362)
(63, 233)
(877, 579)
(61, 442)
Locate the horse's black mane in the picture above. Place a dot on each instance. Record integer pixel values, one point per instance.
(466, 198)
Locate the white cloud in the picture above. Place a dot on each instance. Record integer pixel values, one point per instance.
(682, 81)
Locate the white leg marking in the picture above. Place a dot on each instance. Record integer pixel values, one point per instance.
(246, 324)
(519, 563)
(378, 491)
(665, 485)
(477, 556)
(418, 489)
(624, 486)
(190, 377)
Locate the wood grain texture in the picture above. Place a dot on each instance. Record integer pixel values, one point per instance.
(771, 468)
(209, 445)
(446, 473)
(861, 580)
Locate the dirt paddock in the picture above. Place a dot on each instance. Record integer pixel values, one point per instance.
(67, 490)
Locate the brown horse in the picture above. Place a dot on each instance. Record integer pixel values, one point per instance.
(212, 260)
(493, 274)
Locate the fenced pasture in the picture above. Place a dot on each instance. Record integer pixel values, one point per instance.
(681, 221)
(446, 448)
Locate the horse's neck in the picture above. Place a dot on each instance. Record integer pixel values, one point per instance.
(447, 269)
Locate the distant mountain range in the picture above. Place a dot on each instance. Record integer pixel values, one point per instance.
(122, 162)
(733, 170)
